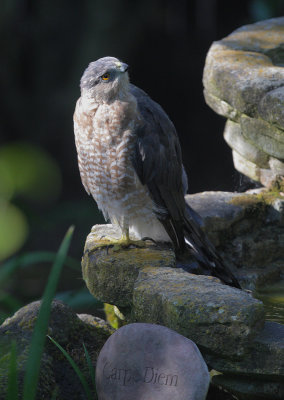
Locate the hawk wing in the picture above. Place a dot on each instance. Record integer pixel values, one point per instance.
(158, 164)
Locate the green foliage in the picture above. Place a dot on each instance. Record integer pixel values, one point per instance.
(91, 367)
(40, 330)
(41, 325)
(77, 299)
(27, 170)
(114, 317)
(12, 392)
(76, 369)
(13, 229)
(11, 304)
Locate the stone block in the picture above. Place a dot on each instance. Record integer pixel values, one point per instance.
(271, 107)
(145, 361)
(243, 81)
(70, 331)
(265, 358)
(219, 318)
(100, 263)
(264, 136)
(250, 389)
(246, 167)
(236, 140)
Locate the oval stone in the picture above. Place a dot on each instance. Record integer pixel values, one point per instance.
(150, 362)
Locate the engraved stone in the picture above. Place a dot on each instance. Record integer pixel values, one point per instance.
(150, 362)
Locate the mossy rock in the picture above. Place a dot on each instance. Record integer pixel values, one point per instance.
(110, 275)
(70, 331)
(244, 81)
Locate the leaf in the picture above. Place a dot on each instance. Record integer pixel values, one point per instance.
(12, 392)
(76, 369)
(41, 325)
(91, 367)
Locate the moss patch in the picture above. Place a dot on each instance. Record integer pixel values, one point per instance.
(261, 200)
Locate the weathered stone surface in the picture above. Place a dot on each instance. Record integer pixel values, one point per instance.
(276, 166)
(192, 305)
(252, 278)
(244, 80)
(235, 139)
(217, 212)
(219, 318)
(221, 107)
(240, 78)
(247, 230)
(242, 68)
(69, 331)
(277, 213)
(265, 137)
(245, 166)
(247, 227)
(249, 389)
(146, 361)
(271, 107)
(100, 263)
(263, 175)
(268, 178)
(264, 360)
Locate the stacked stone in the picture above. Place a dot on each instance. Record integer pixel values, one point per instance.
(244, 81)
(227, 324)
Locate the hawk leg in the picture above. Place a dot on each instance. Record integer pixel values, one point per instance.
(124, 242)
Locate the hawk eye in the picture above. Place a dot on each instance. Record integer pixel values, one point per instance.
(106, 76)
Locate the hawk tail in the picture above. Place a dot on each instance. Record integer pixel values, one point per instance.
(198, 244)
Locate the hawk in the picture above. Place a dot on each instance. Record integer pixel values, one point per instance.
(130, 161)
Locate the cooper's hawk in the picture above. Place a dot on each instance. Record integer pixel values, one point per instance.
(130, 162)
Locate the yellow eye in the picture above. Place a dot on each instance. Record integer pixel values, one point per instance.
(106, 77)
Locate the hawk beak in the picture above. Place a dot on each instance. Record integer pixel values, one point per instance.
(124, 67)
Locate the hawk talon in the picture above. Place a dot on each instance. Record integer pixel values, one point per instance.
(108, 247)
(126, 243)
(150, 239)
(123, 243)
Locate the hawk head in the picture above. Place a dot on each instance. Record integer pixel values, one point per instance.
(105, 79)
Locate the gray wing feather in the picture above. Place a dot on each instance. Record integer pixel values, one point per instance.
(158, 164)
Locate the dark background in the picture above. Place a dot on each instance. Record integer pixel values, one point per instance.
(45, 47)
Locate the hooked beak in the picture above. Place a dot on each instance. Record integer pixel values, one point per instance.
(124, 67)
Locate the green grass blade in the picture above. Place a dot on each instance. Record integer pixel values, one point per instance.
(41, 325)
(12, 392)
(76, 369)
(91, 367)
